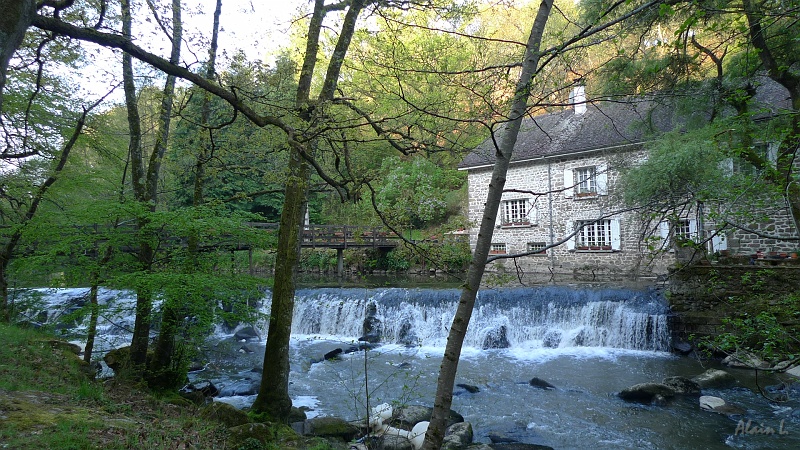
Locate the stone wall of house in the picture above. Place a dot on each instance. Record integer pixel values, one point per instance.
(542, 183)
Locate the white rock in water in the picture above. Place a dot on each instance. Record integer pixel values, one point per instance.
(380, 413)
(709, 402)
(418, 434)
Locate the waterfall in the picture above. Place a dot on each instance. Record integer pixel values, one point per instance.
(552, 316)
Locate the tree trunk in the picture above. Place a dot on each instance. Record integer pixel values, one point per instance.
(162, 372)
(93, 314)
(273, 395)
(15, 18)
(455, 339)
(141, 327)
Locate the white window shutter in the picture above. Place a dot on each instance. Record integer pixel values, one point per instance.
(601, 174)
(533, 213)
(772, 153)
(616, 240)
(569, 183)
(571, 242)
(693, 230)
(663, 232)
(501, 211)
(719, 242)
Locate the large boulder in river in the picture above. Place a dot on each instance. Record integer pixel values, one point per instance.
(656, 393)
(715, 379)
(457, 436)
(540, 383)
(552, 338)
(246, 334)
(496, 338)
(407, 416)
(373, 327)
(406, 335)
(682, 385)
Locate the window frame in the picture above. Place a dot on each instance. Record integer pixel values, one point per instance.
(542, 252)
(498, 248)
(517, 212)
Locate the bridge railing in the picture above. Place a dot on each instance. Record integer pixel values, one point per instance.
(340, 236)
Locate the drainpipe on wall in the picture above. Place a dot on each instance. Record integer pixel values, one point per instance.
(551, 252)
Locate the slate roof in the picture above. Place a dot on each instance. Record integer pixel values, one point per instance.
(604, 125)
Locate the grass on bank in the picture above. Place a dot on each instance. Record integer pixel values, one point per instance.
(47, 401)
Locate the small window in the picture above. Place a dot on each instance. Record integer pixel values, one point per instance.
(517, 213)
(593, 235)
(498, 249)
(683, 230)
(586, 180)
(537, 247)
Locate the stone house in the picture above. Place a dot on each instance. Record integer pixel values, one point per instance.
(562, 186)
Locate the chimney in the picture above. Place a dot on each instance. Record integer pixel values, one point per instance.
(577, 98)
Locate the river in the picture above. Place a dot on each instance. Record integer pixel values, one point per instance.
(589, 342)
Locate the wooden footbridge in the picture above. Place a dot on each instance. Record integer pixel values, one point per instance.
(341, 237)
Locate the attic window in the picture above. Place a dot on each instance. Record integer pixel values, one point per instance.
(585, 180)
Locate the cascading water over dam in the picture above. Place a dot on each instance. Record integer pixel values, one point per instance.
(549, 317)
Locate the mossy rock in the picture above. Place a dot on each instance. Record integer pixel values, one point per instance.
(243, 436)
(297, 415)
(225, 414)
(332, 427)
(117, 359)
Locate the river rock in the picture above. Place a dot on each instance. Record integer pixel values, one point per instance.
(333, 354)
(406, 417)
(655, 393)
(682, 385)
(718, 405)
(240, 387)
(395, 442)
(794, 371)
(332, 427)
(246, 350)
(458, 435)
(372, 328)
(682, 347)
(469, 388)
(540, 383)
(406, 335)
(745, 360)
(552, 339)
(496, 338)
(246, 334)
(117, 358)
(225, 414)
(715, 379)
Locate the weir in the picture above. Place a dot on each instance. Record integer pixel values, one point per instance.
(547, 317)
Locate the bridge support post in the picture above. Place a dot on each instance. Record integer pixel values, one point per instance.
(339, 261)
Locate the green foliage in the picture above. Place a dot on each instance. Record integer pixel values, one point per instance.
(413, 191)
(762, 323)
